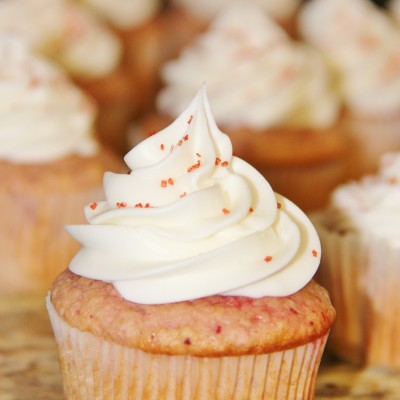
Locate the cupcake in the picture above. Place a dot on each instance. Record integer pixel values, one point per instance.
(194, 279)
(272, 95)
(87, 49)
(360, 236)
(362, 44)
(50, 165)
(139, 25)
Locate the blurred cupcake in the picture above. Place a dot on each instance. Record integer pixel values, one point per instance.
(360, 236)
(272, 95)
(86, 49)
(210, 294)
(362, 44)
(50, 165)
(140, 27)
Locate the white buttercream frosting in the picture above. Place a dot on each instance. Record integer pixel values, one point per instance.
(363, 44)
(64, 31)
(258, 76)
(191, 220)
(371, 205)
(208, 9)
(125, 13)
(43, 116)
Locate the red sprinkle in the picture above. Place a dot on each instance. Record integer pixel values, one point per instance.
(139, 205)
(315, 253)
(190, 119)
(147, 205)
(170, 181)
(180, 142)
(163, 183)
(217, 161)
(187, 341)
(225, 164)
(225, 211)
(93, 206)
(121, 205)
(268, 259)
(194, 166)
(251, 209)
(218, 329)
(186, 138)
(162, 146)
(279, 205)
(152, 132)
(183, 194)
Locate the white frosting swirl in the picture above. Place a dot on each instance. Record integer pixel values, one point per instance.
(362, 44)
(184, 225)
(64, 31)
(372, 205)
(208, 9)
(43, 116)
(258, 76)
(125, 13)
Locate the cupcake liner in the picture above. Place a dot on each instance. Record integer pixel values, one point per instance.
(362, 277)
(94, 368)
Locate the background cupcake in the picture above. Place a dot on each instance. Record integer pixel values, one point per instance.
(362, 44)
(272, 95)
(360, 236)
(50, 165)
(159, 321)
(87, 49)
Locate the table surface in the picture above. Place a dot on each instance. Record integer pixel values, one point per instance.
(29, 364)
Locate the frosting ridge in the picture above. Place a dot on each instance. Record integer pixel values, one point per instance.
(192, 220)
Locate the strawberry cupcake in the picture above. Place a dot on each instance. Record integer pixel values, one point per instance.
(360, 236)
(194, 279)
(272, 95)
(50, 165)
(362, 45)
(87, 49)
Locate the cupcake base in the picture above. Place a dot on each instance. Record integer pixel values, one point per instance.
(94, 368)
(36, 201)
(362, 277)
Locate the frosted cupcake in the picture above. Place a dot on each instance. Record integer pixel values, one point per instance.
(50, 165)
(89, 51)
(139, 25)
(194, 279)
(360, 235)
(362, 44)
(272, 95)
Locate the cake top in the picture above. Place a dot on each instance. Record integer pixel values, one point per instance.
(44, 116)
(191, 220)
(64, 31)
(258, 76)
(362, 44)
(125, 14)
(207, 327)
(370, 205)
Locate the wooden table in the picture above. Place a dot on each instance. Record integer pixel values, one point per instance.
(29, 365)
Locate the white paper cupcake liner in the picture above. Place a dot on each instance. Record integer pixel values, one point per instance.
(94, 368)
(362, 276)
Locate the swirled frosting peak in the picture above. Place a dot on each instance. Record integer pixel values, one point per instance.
(191, 220)
(43, 116)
